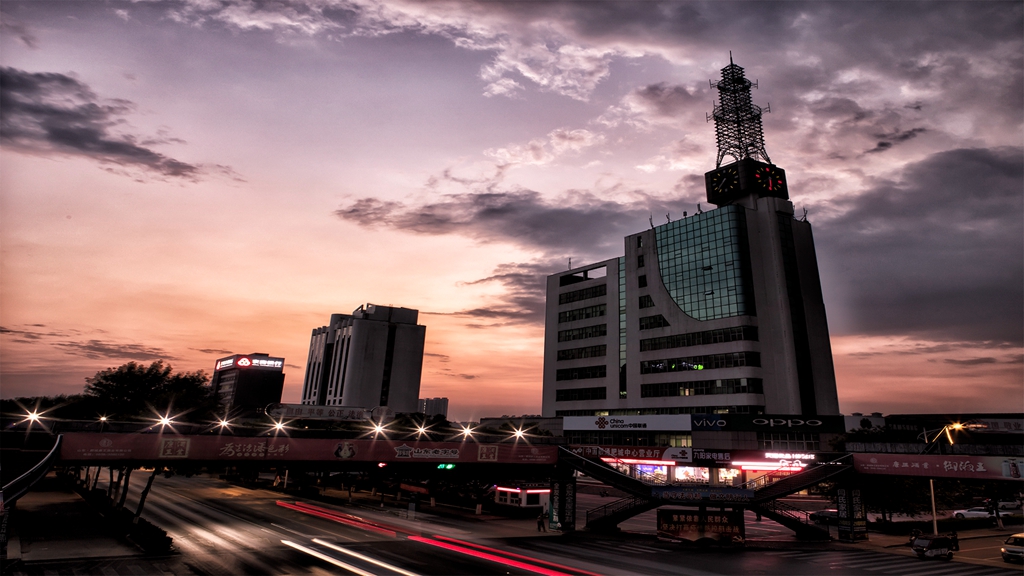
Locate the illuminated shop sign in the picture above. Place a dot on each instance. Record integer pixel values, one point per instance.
(789, 456)
(661, 422)
(764, 422)
(786, 422)
(250, 362)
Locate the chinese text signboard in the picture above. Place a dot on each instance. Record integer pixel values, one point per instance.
(853, 522)
(940, 466)
(694, 525)
(698, 493)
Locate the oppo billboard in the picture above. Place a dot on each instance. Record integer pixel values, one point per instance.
(767, 423)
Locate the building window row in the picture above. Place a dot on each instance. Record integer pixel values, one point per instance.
(583, 333)
(703, 387)
(651, 322)
(585, 352)
(746, 409)
(788, 442)
(582, 313)
(574, 394)
(584, 294)
(704, 362)
(698, 338)
(582, 373)
(646, 301)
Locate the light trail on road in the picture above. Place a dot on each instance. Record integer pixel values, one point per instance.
(487, 556)
(336, 517)
(365, 558)
(514, 555)
(327, 558)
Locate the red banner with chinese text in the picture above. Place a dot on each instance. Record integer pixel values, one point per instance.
(939, 466)
(93, 447)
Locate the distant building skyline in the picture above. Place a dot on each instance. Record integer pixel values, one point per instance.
(372, 357)
(433, 406)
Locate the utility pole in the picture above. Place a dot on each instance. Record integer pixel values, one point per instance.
(935, 522)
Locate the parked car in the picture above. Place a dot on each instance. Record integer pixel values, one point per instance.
(1010, 505)
(830, 516)
(935, 546)
(1013, 548)
(976, 512)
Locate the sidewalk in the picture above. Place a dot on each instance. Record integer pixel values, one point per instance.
(54, 523)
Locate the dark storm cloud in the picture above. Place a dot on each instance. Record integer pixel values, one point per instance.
(525, 288)
(938, 252)
(55, 113)
(666, 100)
(96, 349)
(522, 301)
(578, 224)
(894, 138)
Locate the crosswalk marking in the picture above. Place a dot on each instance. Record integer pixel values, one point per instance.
(636, 548)
(956, 569)
(881, 563)
(874, 563)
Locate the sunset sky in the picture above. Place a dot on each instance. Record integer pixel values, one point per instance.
(184, 180)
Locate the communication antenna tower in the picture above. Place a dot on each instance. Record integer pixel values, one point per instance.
(737, 119)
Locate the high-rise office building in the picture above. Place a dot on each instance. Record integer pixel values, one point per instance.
(372, 357)
(433, 406)
(718, 312)
(246, 383)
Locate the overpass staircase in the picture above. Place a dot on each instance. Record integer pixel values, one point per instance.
(17, 488)
(767, 494)
(766, 500)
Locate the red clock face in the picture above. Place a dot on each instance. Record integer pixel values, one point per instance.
(770, 178)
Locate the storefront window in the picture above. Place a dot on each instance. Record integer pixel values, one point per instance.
(690, 474)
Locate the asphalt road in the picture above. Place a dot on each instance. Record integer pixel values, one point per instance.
(219, 529)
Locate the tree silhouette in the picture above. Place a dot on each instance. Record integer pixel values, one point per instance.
(133, 390)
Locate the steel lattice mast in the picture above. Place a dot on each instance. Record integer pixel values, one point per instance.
(737, 119)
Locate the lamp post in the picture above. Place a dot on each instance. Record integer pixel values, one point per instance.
(931, 482)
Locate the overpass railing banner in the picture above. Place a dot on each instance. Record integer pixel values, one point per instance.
(940, 466)
(94, 447)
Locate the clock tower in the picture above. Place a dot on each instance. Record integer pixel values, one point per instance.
(740, 136)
